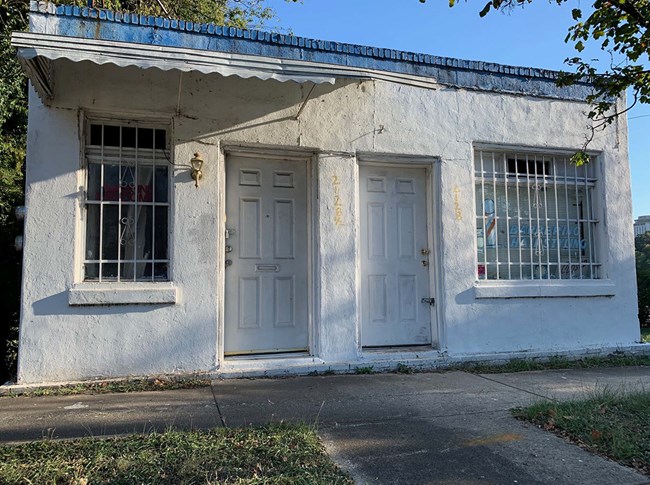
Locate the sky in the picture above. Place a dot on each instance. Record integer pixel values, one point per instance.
(532, 36)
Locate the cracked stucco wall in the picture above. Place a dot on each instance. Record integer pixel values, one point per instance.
(62, 342)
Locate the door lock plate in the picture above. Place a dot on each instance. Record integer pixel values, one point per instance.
(430, 301)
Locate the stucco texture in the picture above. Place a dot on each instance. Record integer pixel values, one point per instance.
(214, 115)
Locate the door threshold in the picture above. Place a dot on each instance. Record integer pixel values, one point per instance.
(267, 355)
(398, 348)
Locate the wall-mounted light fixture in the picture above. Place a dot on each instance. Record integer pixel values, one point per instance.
(197, 164)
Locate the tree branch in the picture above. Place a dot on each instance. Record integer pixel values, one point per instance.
(630, 9)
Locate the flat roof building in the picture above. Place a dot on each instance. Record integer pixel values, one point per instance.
(209, 199)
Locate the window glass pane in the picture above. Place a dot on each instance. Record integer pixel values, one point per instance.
(95, 134)
(162, 184)
(91, 271)
(128, 137)
(127, 181)
(111, 136)
(160, 271)
(110, 232)
(127, 232)
(144, 234)
(160, 232)
(145, 138)
(127, 271)
(143, 272)
(145, 183)
(92, 232)
(94, 188)
(109, 271)
(111, 182)
(161, 140)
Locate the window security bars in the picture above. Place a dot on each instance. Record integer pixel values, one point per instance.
(127, 204)
(535, 217)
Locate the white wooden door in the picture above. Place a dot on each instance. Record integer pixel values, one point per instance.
(266, 296)
(395, 257)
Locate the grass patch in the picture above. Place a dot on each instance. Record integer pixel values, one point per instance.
(613, 424)
(106, 387)
(274, 454)
(404, 369)
(556, 362)
(364, 370)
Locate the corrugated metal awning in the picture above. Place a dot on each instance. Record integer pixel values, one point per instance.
(36, 50)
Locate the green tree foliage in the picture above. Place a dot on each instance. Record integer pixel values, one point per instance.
(13, 128)
(13, 122)
(236, 13)
(620, 28)
(642, 250)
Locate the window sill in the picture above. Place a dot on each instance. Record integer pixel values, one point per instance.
(83, 294)
(544, 289)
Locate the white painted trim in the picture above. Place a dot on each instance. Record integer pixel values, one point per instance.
(544, 289)
(530, 149)
(434, 221)
(33, 46)
(357, 259)
(80, 206)
(382, 159)
(271, 152)
(122, 294)
(221, 257)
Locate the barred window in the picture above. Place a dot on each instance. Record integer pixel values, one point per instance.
(535, 217)
(127, 203)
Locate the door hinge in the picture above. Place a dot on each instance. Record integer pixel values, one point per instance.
(430, 301)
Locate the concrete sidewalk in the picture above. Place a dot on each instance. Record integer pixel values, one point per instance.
(438, 428)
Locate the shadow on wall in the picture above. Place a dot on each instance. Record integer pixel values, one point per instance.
(44, 306)
(550, 323)
(203, 105)
(234, 105)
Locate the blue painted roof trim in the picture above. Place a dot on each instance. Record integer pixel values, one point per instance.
(93, 23)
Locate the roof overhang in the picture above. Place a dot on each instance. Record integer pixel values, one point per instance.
(37, 50)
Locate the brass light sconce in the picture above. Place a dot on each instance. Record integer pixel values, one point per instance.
(197, 164)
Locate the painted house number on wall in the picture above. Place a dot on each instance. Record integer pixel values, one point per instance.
(338, 207)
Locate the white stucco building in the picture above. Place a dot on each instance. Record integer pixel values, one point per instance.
(358, 206)
(641, 225)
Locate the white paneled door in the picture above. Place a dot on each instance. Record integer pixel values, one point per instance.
(395, 257)
(266, 297)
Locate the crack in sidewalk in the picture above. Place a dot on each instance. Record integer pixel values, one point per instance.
(222, 418)
(516, 388)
